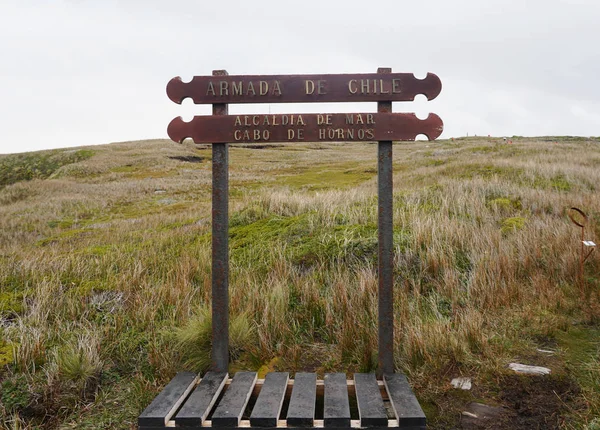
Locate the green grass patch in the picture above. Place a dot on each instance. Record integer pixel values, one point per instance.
(512, 224)
(6, 353)
(328, 176)
(581, 346)
(486, 171)
(305, 241)
(11, 302)
(37, 165)
(557, 183)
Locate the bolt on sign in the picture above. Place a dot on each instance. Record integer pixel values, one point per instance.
(383, 126)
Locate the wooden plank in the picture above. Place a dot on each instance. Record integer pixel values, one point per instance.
(371, 410)
(301, 411)
(406, 406)
(306, 127)
(198, 405)
(232, 405)
(168, 400)
(358, 87)
(268, 404)
(336, 411)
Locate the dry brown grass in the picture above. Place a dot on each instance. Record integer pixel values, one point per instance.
(115, 249)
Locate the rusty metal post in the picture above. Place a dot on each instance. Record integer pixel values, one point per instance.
(385, 248)
(220, 247)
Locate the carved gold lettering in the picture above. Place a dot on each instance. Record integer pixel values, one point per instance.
(255, 120)
(328, 119)
(300, 134)
(321, 134)
(364, 86)
(246, 135)
(340, 133)
(359, 119)
(350, 133)
(349, 118)
(285, 120)
(238, 121)
(266, 120)
(275, 120)
(237, 135)
(300, 120)
(381, 87)
(351, 88)
(290, 134)
(361, 134)
(236, 89)
(320, 119)
(331, 133)
(370, 134)
(224, 88)
(395, 86)
(210, 89)
(263, 87)
(320, 87)
(256, 134)
(247, 121)
(370, 119)
(310, 86)
(276, 89)
(250, 89)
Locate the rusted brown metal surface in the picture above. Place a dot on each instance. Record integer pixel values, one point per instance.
(305, 128)
(220, 247)
(304, 88)
(385, 235)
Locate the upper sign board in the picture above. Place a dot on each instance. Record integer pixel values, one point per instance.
(372, 87)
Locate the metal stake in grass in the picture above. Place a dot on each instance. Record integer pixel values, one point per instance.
(580, 219)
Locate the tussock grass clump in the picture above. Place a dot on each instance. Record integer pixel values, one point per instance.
(193, 340)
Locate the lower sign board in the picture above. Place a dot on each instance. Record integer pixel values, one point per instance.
(340, 127)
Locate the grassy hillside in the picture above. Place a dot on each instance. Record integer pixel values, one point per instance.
(105, 273)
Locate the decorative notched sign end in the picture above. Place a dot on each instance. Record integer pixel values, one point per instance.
(176, 90)
(433, 126)
(432, 86)
(177, 130)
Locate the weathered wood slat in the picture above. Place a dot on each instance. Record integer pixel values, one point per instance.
(301, 411)
(166, 403)
(232, 405)
(405, 404)
(199, 403)
(268, 404)
(370, 403)
(336, 411)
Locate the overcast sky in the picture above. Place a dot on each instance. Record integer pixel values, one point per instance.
(82, 72)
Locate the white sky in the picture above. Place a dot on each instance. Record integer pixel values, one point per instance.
(82, 72)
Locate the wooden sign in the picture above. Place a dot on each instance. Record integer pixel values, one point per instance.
(326, 127)
(374, 87)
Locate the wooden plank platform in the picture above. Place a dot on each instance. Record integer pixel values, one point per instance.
(301, 410)
(276, 402)
(371, 409)
(406, 406)
(268, 405)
